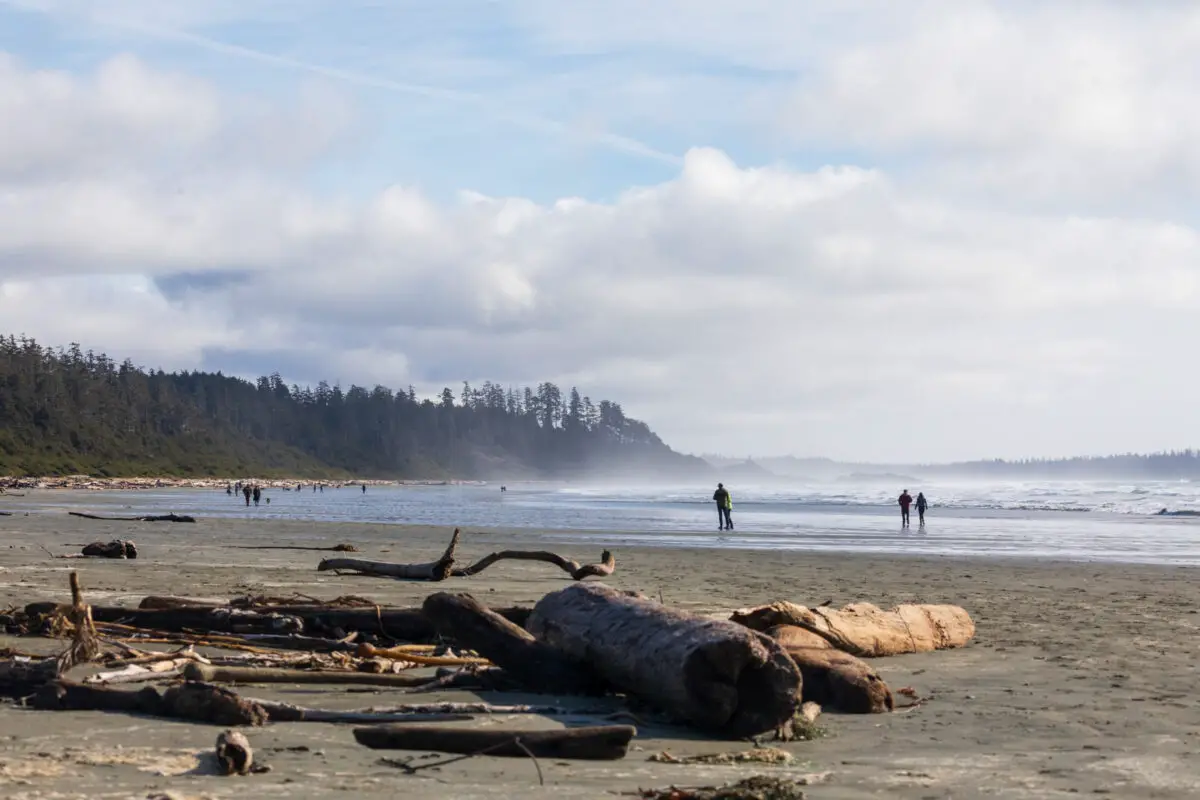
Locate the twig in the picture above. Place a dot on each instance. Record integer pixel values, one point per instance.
(409, 769)
(541, 780)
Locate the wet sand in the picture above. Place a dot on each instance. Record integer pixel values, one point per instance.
(1079, 682)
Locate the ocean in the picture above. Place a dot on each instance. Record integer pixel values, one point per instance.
(1077, 520)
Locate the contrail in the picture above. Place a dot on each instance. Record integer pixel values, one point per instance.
(612, 141)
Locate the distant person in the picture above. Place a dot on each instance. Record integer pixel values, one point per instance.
(724, 508)
(257, 495)
(905, 502)
(922, 504)
(503, 488)
(246, 494)
(364, 488)
(228, 490)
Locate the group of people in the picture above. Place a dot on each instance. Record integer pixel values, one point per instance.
(906, 501)
(724, 503)
(248, 491)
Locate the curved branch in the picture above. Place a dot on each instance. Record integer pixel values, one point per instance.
(434, 571)
(576, 570)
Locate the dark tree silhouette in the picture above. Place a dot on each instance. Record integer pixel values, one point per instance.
(65, 411)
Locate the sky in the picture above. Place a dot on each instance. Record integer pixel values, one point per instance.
(921, 231)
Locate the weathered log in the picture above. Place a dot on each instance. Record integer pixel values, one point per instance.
(227, 620)
(434, 571)
(573, 568)
(536, 666)
(396, 624)
(601, 742)
(717, 675)
(117, 548)
(21, 677)
(144, 518)
(234, 756)
(197, 702)
(211, 674)
(832, 678)
(868, 631)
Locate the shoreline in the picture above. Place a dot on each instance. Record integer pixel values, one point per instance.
(1080, 678)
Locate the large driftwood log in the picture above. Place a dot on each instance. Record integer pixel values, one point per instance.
(197, 702)
(397, 624)
(576, 570)
(145, 518)
(832, 678)
(225, 620)
(434, 571)
(868, 631)
(535, 666)
(211, 674)
(717, 675)
(602, 742)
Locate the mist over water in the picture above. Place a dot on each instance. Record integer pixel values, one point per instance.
(1103, 521)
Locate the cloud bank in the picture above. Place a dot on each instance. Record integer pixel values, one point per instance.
(1004, 262)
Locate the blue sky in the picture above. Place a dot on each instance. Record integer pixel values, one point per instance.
(845, 227)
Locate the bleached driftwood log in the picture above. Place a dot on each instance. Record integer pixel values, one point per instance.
(868, 631)
(717, 675)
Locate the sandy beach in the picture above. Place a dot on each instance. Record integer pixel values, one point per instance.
(1078, 682)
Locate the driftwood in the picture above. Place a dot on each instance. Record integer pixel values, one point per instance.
(832, 678)
(269, 626)
(534, 665)
(444, 568)
(85, 643)
(210, 674)
(717, 675)
(117, 548)
(434, 571)
(21, 677)
(408, 714)
(234, 756)
(868, 631)
(573, 568)
(145, 518)
(197, 702)
(226, 620)
(602, 742)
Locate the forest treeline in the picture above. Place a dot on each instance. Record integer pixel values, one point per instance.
(66, 411)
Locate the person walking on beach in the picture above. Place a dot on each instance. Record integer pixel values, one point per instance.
(246, 493)
(257, 495)
(724, 507)
(905, 502)
(922, 504)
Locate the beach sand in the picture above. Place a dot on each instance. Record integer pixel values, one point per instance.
(1080, 680)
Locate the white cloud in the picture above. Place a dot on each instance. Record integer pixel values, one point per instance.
(854, 311)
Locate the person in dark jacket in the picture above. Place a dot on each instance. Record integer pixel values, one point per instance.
(257, 495)
(922, 504)
(246, 493)
(905, 502)
(724, 508)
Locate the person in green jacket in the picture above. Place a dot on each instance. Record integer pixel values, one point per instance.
(724, 508)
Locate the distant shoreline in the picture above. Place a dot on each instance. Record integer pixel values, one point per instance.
(89, 483)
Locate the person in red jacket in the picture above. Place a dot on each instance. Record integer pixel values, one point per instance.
(905, 502)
